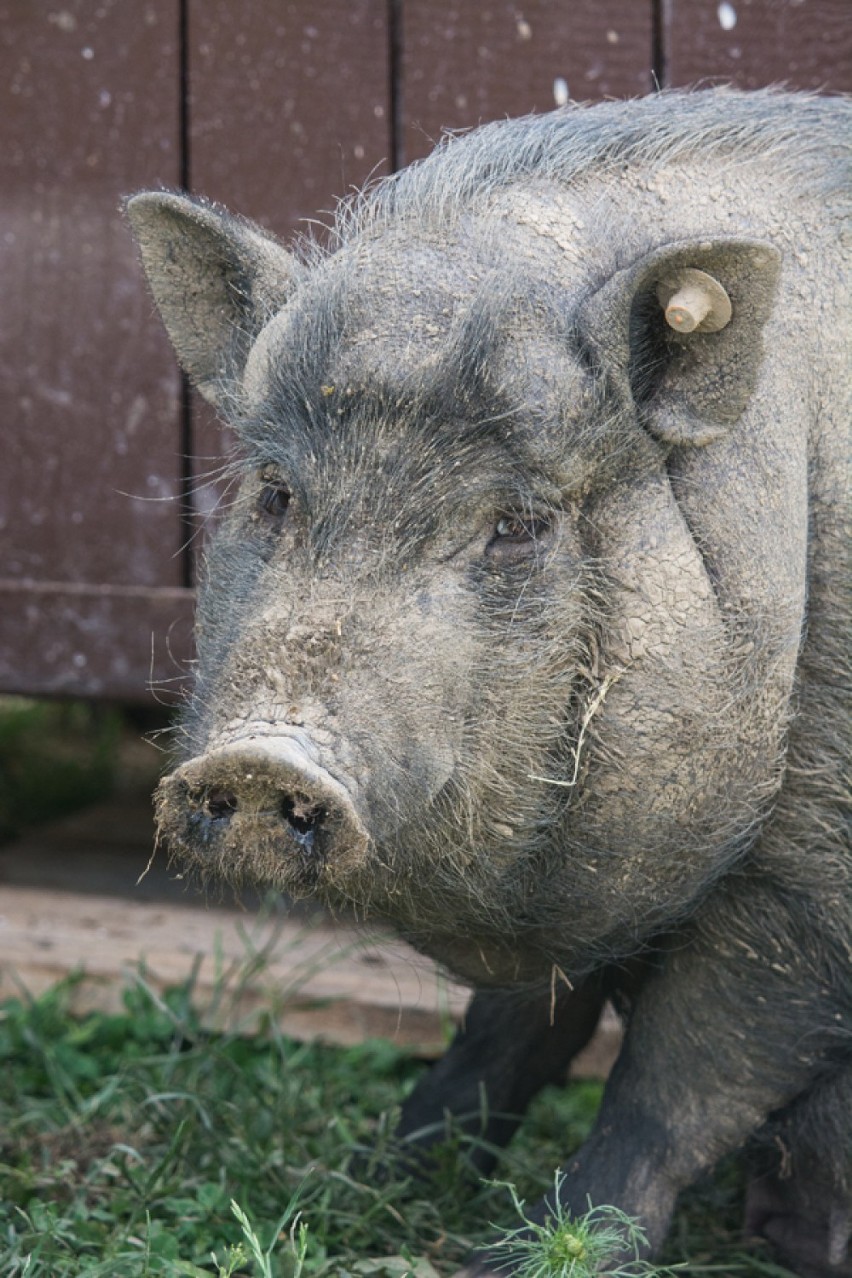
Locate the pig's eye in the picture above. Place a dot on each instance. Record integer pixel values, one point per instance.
(273, 501)
(516, 536)
(518, 529)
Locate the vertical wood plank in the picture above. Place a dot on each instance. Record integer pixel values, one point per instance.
(88, 112)
(90, 528)
(463, 64)
(801, 44)
(289, 104)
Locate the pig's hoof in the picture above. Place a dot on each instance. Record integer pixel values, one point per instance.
(802, 1248)
(811, 1232)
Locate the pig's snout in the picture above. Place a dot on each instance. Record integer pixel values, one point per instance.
(261, 806)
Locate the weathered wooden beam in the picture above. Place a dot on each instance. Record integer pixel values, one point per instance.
(315, 979)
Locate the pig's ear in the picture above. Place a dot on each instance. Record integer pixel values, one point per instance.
(679, 333)
(216, 279)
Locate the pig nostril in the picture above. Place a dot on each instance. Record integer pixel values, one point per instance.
(303, 817)
(220, 803)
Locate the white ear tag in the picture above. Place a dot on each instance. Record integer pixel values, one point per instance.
(694, 302)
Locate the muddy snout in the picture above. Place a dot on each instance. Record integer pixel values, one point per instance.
(261, 808)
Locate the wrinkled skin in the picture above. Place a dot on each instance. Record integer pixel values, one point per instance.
(503, 637)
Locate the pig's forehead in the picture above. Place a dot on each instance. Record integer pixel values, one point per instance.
(393, 301)
(387, 295)
(402, 299)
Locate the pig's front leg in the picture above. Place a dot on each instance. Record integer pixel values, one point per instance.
(511, 1045)
(739, 1019)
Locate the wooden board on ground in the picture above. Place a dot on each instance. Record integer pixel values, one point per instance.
(68, 904)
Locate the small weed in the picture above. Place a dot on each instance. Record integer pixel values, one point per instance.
(566, 1247)
(298, 1238)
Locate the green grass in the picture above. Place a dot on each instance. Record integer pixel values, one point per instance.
(138, 1144)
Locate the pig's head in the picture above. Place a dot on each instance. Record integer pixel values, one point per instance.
(461, 661)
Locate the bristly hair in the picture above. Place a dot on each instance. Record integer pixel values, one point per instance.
(798, 133)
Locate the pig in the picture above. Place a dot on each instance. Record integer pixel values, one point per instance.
(525, 628)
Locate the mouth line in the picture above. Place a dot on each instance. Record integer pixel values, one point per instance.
(242, 730)
(275, 746)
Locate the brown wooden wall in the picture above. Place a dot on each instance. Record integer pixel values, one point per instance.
(274, 107)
